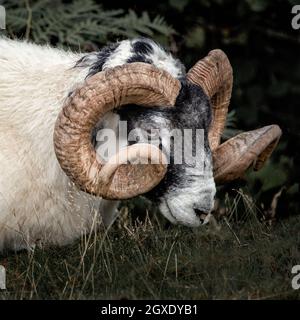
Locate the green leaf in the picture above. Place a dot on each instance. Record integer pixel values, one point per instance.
(178, 4)
(294, 189)
(278, 88)
(294, 2)
(273, 175)
(196, 38)
(230, 127)
(258, 5)
(72, 24)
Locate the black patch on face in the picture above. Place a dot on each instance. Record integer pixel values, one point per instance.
(139, 58)
(102, 57)
(142, 47)
(192, 111)
(94, 137)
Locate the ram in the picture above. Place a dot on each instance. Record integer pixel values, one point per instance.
(54, 105)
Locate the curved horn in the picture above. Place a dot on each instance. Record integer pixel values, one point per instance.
(232, 158)
(135, 83)
(214, 75)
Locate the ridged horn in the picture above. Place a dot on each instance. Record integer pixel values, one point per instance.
(214, 75)
(232, 158)
(135, 83)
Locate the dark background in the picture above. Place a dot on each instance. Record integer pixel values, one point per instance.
(265, 54)
(256, 35)
(235, 257)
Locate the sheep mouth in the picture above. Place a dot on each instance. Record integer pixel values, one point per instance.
(201, 216)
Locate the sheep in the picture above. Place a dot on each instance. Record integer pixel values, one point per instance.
(52, 184)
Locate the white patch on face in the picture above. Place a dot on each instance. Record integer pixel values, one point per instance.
(178, 204)
(120, 56)
(165, 61)
(160, 122)
(160, 58)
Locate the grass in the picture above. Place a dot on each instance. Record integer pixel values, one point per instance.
(238, 257)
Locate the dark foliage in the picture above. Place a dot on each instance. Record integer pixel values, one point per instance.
(256, 34)
(238, 258)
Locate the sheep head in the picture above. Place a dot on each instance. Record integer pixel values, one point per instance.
(145, 85)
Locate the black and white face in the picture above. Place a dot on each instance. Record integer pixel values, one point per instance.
(186, 194)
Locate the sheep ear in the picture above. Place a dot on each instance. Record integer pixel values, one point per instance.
(232, 158)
